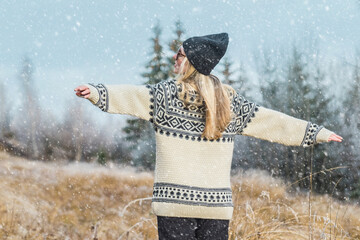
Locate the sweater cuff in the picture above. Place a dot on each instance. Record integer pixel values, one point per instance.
(323, 135)
(94, 94)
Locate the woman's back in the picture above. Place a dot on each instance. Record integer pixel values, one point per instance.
(191, 171)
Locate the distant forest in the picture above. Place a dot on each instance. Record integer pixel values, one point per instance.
(298, 85)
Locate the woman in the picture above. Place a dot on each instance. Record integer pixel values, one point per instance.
(196, 119)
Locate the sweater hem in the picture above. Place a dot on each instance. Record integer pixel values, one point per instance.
(191, 211)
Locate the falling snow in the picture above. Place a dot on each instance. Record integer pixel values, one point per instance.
(70, 171)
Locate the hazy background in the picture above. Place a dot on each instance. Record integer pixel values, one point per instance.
(62, 160)
(73, 42)
(299, 57)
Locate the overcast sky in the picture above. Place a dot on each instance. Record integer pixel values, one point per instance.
(73, 42)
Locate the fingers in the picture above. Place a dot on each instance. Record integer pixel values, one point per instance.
(80, 88)
(85, 92)
(82, 91)
(336, 138)
(87, 95)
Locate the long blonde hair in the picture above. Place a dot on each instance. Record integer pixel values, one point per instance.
(216, 98)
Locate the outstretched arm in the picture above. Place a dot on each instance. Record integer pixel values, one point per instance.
(123, 99)
(278, 127)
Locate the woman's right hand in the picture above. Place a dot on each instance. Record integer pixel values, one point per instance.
(82, 91)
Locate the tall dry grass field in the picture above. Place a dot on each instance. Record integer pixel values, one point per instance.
(83, 201)
(263, 209)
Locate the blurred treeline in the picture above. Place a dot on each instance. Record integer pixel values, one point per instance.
(297, 84)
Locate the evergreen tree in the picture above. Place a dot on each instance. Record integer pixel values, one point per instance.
(227, 73)
(272, 91)
(174, 45)
(298, 87)
(306, 99)
(352, 107)
(350, 155)
(157, 66)
(271, 87)
(140, 132)
(295, 165)
(243, 84)
(321, 112)
(298, 91)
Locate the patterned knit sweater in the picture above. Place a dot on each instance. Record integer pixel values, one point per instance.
(192, 174)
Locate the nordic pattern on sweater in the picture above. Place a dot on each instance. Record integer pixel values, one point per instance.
(172, 117)
(192, 174)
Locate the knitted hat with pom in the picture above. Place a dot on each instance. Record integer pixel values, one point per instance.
(205, 52)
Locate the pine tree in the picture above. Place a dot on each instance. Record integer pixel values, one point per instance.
(320, 112)
(298, 87)
(140, 132)
(300, 93)
(157, 66)
(294, 164)
(174, 45)
(307, 99)
(241, 83)
(227, 73)
(272, 92)
(352, 106)
(271, 87)
(351, 132)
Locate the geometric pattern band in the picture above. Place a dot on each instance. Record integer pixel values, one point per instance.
(172, 117)
(310, 134)
(182, 194)
(103, 97)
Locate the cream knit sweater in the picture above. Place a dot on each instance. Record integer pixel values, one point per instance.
(192, 174)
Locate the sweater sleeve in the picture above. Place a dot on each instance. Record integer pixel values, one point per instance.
(278, 127)
(122, 99)
(259, 122)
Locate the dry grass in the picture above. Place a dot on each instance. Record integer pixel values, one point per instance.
(265, 210)
(47, 201)
(84, 201)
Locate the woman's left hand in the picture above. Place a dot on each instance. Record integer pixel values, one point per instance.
(334, 137)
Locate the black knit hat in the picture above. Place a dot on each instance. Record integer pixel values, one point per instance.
(206, 51)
